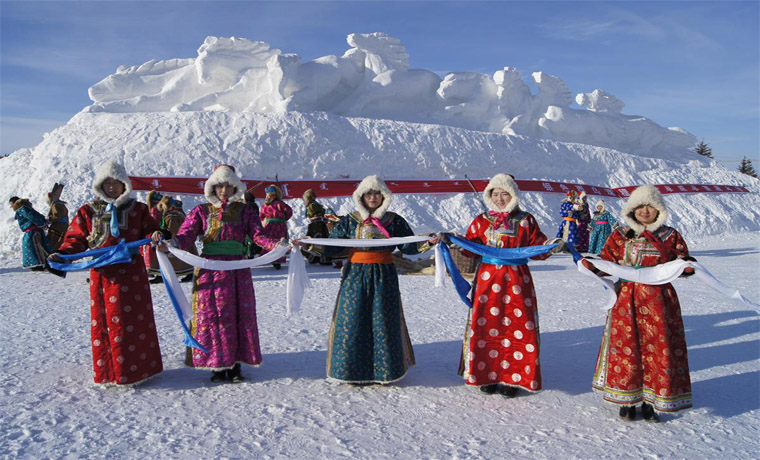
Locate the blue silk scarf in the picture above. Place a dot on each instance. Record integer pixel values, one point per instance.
(101, 257)
(491, 255)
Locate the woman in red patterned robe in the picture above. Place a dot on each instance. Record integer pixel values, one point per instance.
(501, 346)
(643, 353)
(125, 348)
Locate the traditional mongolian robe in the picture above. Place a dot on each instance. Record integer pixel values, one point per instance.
(171, 221)
(149, 252)
(58, 218)
(584, 218)
(643, 352)
(501, 343)
(274, 217)
(568, 228)
(601, 225)
(125, 346)
(369, 341)
(34, 246)
(224, 305)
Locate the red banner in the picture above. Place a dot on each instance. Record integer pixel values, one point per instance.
(337, 188)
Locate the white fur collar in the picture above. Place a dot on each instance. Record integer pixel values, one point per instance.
(116, 171)
(504, 182)
(646, 194)
(372, 183)
(222, 174)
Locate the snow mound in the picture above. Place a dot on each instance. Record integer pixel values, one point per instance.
(372, 79)
(295, 145)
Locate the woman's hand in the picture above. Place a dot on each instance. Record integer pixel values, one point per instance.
(297, 243)
(55, 257)
(159, 242)
(434, 239)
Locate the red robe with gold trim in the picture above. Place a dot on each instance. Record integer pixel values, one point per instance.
(501, 343)
(125, 346)
(643, 352)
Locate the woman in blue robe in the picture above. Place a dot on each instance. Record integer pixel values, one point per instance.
(601, 227)
(369, 342)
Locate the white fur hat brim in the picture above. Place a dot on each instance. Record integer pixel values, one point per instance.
(372, 183)
(223, 174)
(646, 194)
(604, 205)
(504, 182)
(116, 171)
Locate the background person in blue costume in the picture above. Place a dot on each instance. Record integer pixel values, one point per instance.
(568, 228)
(601, 227)
(369, 342)
(35, 247)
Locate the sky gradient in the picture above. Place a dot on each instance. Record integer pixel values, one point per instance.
(695, 65)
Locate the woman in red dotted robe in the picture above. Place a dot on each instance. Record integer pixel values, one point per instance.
(125, 346)
(643, 353)
(501, 345)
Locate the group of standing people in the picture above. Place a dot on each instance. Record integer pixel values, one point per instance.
(642, 356)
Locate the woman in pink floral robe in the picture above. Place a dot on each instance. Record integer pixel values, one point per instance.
(224, 305)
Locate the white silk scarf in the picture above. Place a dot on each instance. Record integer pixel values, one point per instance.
(658, 275)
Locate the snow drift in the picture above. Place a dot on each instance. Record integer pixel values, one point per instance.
(247, 104)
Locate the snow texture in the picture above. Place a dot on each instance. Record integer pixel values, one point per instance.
(297, 145)
(373, 79)
(49, 407)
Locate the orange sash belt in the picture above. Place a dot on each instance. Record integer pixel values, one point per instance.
(570, 219)
(370, 257)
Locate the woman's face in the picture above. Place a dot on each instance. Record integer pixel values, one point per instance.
(500, 197)
(646, 214)
(372, 200)
(112, 188)
(599, 207)
(224, 191)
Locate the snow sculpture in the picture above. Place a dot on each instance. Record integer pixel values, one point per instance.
(373, 79)
(600, 101)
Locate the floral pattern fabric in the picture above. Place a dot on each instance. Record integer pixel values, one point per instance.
(369, 340)
(224, 304)
(643, 354)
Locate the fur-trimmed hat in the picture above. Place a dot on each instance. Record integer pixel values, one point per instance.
(223, 174)
(372, 183)
(309, 195)
(646, 194)
(504, 182)
(153, 197)
(165, 204)
(604, 205)
(275, 190)
(116, 171)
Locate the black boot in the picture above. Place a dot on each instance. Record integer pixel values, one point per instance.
(647, 411)
(509, 392)
(234, 375)
(218, 376)
(628, 413)
(489, 389)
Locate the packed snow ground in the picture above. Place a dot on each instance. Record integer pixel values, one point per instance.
(49, 407)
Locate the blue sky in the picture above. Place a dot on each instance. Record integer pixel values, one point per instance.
(690, 64)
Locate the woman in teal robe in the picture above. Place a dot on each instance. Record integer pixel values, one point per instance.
(369, 342)
(35, 246)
